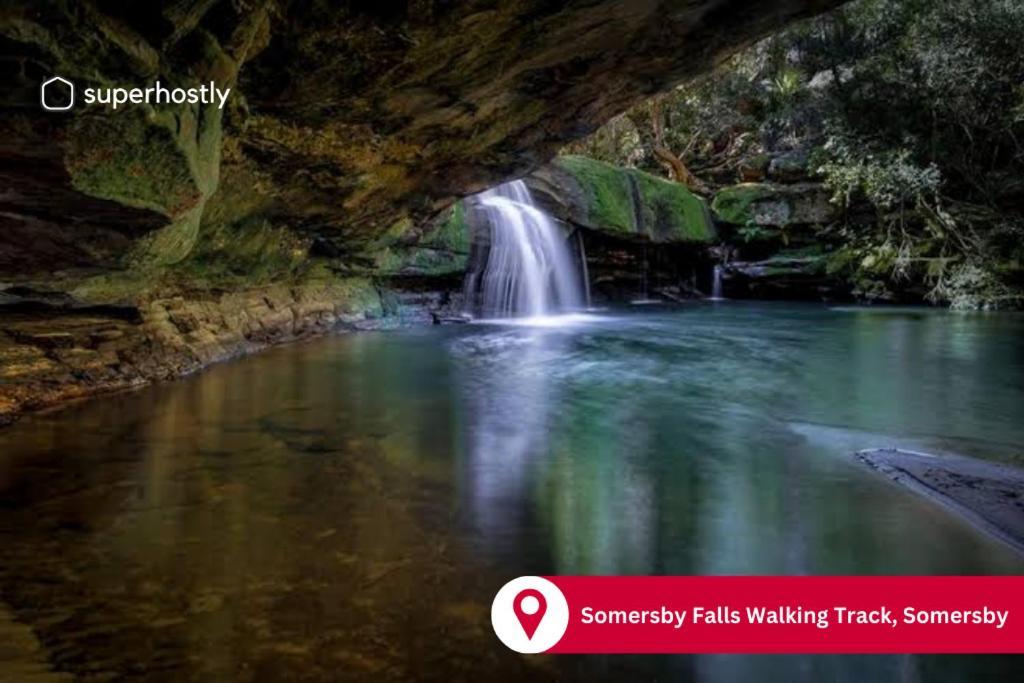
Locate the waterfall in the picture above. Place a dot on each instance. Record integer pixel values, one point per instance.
(528, 269)
(716, 283)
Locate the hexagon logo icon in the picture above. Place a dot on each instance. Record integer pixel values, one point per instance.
(57, 94)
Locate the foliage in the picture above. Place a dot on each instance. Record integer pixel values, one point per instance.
(889, 179)
(914, 111)
(923, 127)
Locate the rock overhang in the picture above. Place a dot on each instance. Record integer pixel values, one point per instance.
(345, 120)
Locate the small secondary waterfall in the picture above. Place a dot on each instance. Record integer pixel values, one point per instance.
(529, 268)
(716, 283)
(583, 265)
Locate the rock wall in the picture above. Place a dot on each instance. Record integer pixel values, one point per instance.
(773, 226)
(643, 237)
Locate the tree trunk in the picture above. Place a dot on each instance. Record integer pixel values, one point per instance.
(678, 170)
(676, 167)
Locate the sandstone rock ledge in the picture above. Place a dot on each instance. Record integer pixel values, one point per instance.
(51, 355)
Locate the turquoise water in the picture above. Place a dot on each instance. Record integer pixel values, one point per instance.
(346, 508)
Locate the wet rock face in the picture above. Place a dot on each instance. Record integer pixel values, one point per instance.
(773, 228)
(343, 119)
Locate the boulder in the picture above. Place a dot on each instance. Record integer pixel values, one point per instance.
(790, 167)
(772, 205)
(790, 275)
(621, 202)
(754, 169)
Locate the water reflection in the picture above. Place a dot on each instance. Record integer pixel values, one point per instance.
(592, 502)
(346, 508)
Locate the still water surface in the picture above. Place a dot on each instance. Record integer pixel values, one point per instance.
(345, 509)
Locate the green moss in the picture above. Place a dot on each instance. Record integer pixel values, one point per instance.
(393, 233)
(608, 192)
(451, 233)
(356, 296)
(667, 211)
(249, 252)
(734, 204)
(759, 162)
(119, 288)
(810, 251)
(442, 249)
(670, 212)
(422, 261)
(124, 158)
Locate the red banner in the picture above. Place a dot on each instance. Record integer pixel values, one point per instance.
(776, 614)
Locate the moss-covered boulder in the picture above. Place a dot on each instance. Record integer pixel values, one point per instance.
(438, 248)
(734, 204)
(622, 202)
(771, 205)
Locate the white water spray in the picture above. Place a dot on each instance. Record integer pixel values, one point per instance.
(529, 270)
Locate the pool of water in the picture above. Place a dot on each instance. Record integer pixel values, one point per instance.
(347, 508)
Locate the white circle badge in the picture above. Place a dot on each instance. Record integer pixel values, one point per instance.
(529, 614)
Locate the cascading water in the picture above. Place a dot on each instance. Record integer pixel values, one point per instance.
(529, 269)
(583, 265)
(716, 283)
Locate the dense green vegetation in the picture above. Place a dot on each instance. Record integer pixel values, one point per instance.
(911, 113)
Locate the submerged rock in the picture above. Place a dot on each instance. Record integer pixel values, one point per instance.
(988, 495)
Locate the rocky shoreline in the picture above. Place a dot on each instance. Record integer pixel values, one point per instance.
(50, 355)
(988, 495)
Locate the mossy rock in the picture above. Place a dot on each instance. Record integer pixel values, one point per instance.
(451, 233)
(127, 159)
(735, 204)
(422, 261)
(441, 249)
(671, 213)
(775, 205)
(621, 201)
(608, 193)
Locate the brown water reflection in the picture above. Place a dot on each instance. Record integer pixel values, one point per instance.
(181, 534)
